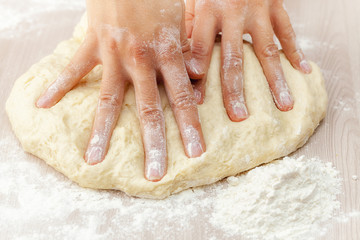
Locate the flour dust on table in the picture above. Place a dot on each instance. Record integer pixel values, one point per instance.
(291, 199)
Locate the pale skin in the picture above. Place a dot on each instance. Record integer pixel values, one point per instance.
(137, 42)
(261, 19)
(140, 42)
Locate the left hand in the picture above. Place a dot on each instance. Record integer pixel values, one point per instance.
(137, 42)
(261, 19)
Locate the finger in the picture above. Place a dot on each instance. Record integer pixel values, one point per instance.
(198, 85)
(268, 55)
(199, 89)
(185, 46)
(107, 113)
(287, 38)
(202, 43)
(152, 123)
(231, 72)
(182, 101)
(81, 64)
(189, 16)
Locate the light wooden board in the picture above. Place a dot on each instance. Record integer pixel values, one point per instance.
(329, 31)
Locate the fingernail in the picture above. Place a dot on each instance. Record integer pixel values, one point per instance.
(42, 102)
(156, 164)
(240, 110)
(305, 66)
(93, 155)
(197, 95)
(154, 171)
(194, 149)
(286, 100)
(197, 67)
(45, 100)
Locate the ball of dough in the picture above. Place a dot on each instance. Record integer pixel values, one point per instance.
(59, 135)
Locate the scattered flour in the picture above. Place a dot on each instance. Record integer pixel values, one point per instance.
(33, 195)
(308, 44)
(305, 43)
(27, 15)
(286, 199)
(348, 104)
(343, 104)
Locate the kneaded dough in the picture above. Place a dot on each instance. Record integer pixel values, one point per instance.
(59, 135)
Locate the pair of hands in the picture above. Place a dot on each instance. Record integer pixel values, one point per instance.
(138, 42)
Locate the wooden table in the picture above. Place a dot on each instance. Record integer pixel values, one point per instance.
(328, 31)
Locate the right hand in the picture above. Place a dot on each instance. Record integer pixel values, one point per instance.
(135, 42)
(261, 19)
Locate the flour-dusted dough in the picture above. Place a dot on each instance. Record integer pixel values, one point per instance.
(59, 135)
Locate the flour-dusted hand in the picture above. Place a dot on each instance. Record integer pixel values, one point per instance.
(136, 42)
(261, 19)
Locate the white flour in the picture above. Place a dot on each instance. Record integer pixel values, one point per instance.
(288, 199)
(28, 15)
(283, 200)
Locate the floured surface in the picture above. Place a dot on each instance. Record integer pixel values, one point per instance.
(24, 176)
(289, 199)
(59, 135)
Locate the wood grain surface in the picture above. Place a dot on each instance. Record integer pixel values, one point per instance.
(333, 29)
(328, 31)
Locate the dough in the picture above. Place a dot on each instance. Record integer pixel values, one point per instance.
(59, 135)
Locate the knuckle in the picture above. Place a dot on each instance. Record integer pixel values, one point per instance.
(288, 34)
(200, 49)
(111, 45)
(168, 51)
(189, 16)
(151, 113)
(233, 59)
(138, 51)
(270, 51)
(185, 45)
(109, 100)
(183, 100)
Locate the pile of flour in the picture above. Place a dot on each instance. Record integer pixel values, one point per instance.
(288, 199)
